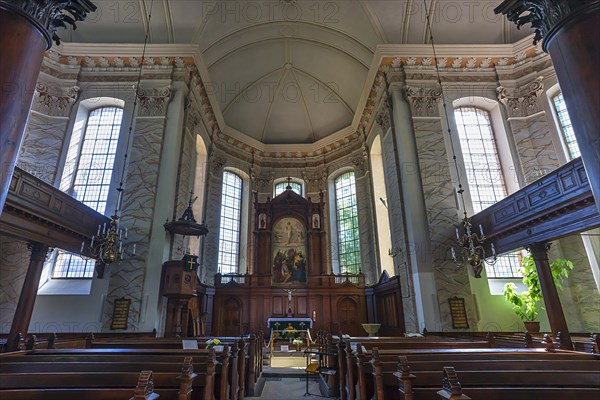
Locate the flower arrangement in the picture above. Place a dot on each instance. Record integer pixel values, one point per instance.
(210, 343)
(297, 342)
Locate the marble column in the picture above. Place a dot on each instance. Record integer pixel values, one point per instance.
(556, 316)
(569, 32)
(27, 28)
(22, 316)
(418, 241)
(391, 167)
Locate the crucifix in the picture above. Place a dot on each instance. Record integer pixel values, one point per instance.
(289, 293)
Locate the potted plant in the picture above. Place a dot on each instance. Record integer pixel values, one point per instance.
(525, 304)
(210, 343)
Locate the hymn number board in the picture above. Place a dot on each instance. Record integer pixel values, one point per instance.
(120, 313)
(458, 313)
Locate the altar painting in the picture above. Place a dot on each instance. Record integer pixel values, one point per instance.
(288, 252)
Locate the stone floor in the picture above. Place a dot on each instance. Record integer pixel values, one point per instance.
(286, 384)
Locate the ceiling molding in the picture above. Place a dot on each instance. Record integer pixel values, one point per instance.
(375, 22)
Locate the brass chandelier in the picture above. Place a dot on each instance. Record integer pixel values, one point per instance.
(471, 245)
(107, 244)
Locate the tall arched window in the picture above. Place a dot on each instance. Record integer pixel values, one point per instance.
(346, 209)
(87, 176)
(565, 126)
(230, 226)
(484, 175)
(282, 186)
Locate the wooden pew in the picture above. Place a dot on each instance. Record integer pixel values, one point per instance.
(144, 390)
(94, 366)
(351, 371)
(516, 374)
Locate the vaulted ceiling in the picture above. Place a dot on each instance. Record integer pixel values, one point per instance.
(291, 71)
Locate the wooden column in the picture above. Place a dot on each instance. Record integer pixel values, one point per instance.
(570, 35)
(26, 29)
(22, 316)
(556, 316)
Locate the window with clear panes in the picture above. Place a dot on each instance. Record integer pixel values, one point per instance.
(230, 225)
(87, 177)
(484, 175)
(566, 127)
(282, 186)
(346, 209)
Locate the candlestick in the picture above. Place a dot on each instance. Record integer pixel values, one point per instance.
(481, 229)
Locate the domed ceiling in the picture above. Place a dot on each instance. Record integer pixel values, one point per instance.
(291, 71)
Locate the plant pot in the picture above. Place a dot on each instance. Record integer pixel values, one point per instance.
(532, 326)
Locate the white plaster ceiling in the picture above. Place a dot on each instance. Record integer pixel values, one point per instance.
(285, 74)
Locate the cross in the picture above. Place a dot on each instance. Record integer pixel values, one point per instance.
(191, 263)
(289, 292)
(289, 185)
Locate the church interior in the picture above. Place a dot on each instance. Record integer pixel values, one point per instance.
(360, 179)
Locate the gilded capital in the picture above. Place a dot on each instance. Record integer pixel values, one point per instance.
(49, 15)
(545, 16)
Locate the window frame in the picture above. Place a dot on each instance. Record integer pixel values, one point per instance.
(240, 210)
(513, 258)
(284, 181)
(558, 121)
(81, 116)
(339, 232)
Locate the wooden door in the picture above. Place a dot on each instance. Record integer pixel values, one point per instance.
(231, 317)
(348, 314)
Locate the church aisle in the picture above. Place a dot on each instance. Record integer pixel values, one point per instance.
(287, 388)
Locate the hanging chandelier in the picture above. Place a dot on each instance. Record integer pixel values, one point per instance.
(107, 244)
(471, 245)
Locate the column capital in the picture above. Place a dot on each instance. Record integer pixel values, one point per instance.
(39, 251)
(423, 100)
(538, 250)
(49, 15)
(154, 101)
(522, 101)
(547, 17)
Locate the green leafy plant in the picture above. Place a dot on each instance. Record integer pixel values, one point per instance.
(525, 304)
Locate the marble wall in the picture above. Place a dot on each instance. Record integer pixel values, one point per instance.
(127, 278)
(442, 217)
(14, 259)
(536, 150)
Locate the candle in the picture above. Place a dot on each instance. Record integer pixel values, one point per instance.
(453, 254)
(481, 229)
(125, 232)
(92, 244)
(457, 234)
(81, 250)
(120, 247)
(134, 249)
(98, 233)
(104, 228)
(493, 250)
(314, 316)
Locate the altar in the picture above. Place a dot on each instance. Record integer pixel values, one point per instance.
(289, 328)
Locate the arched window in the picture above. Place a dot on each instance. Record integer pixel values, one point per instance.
(87, 176)
(230, 226)
(282, 186)
(484, 175)
(565, 126)
(346, 210)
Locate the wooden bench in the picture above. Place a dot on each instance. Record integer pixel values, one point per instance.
(171, 377)
(517, 374)
(143, 390)
(351, 370)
